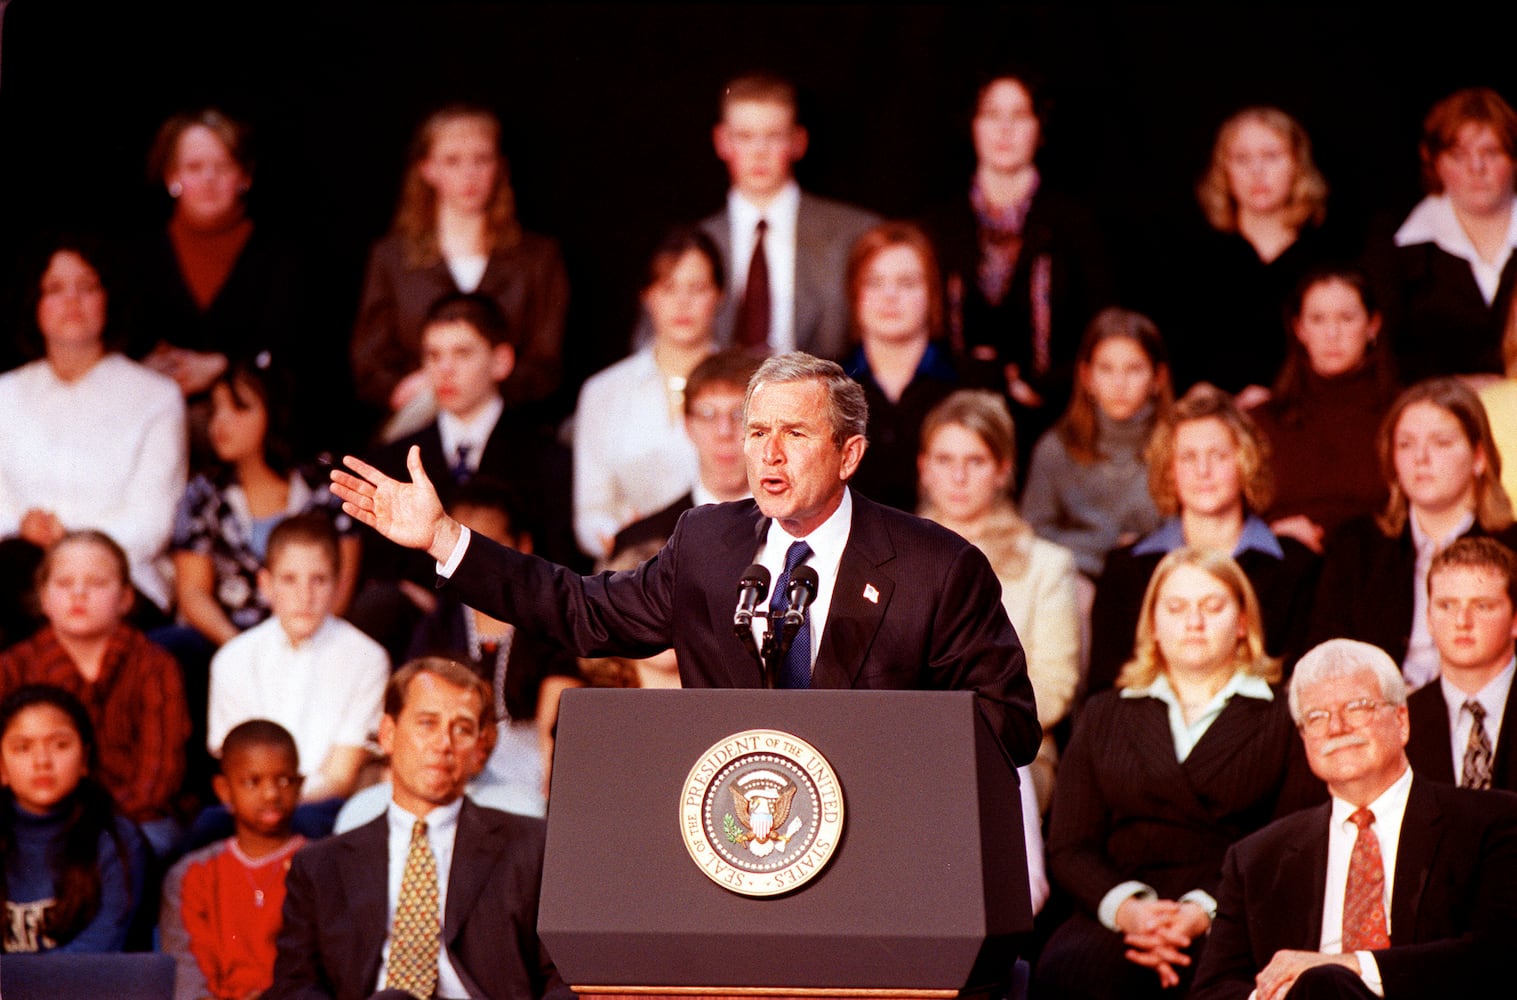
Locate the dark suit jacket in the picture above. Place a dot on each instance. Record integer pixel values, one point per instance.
(656, 527)
(825, 232)
(528, 281)
(1365, 591)
(519, 455)
(1126, 808)
(335, 903)
(935, 620)
(1430, 748)
(1453, 906)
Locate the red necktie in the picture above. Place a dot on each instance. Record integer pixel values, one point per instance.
(753, 317)
(1364, 895)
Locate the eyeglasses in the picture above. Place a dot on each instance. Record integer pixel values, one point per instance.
(1355, 713)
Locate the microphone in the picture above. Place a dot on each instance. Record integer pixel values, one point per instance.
(752, 588)
(801, 591)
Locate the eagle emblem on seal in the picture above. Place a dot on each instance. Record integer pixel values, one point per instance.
(762, 800)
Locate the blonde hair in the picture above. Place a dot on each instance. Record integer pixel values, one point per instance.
(416, 217)
(1493, 508)
(1004, 536)
(1249, 657)
(1308, 194)
(1206, 402)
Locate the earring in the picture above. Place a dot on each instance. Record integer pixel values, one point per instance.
(176, 189)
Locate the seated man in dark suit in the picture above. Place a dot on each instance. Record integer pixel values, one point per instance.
(438, 897)
(467, 353)
(900, 603)
(714, 424)
(1400, 887)
(1459, 720)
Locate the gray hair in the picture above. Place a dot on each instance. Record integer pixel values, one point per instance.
(1343, 658)
(847, 409)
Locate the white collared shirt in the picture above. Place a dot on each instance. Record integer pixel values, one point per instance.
(779, 251)
(474, 432)
(1433, 221)
(827, 543)
(1492, 698)
(1389, 810)
(442, 830)
(1421, 664)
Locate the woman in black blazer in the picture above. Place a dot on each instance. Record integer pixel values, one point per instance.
(1194, 750)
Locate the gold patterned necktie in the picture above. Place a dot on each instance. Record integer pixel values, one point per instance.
(416, 937)
(1476, 772)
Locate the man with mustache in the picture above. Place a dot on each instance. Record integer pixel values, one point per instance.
(1399, 887)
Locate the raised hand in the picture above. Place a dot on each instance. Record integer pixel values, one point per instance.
(408, 514)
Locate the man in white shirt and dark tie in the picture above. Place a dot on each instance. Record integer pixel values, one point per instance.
(1458, 721)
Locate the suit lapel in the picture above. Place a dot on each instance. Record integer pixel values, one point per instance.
(1300, 885)
(860, 598)
(1502, 775)
(734, 553)
(1421, 829)
(367, 897)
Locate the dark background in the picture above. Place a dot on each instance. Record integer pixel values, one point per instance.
(607, 113)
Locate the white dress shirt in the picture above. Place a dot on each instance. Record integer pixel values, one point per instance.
(779, 250)
(442, 830)
(1433, 221)
(1492, 698)
(473, 433)
(827, 543)
(1389, 810)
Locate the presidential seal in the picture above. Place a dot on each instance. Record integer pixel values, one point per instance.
(761, 812)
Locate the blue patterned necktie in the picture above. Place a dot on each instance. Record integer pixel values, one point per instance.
(797, 671)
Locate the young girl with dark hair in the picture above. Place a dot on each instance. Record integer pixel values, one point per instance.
(73, 869)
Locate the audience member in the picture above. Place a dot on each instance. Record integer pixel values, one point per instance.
(1209, 473)
(1399, 887)
(314, 674)
(1500, 401)
(212, 287)
(1023, 265)
(91, 439)
(714, 424)
(527, 673)
(630, 455)
(456, 231)
(1087, 489)
(897, 312)
(1444, 478)
(786, 251)
(74, 870)
(222, 527)
(130, 687)
(467, 353)
(1445, 278)
(966, 467)
(1264, 203)
(219, 914)
(1458, 724)
(1194, 750)
(347, 929)
(1326, 408)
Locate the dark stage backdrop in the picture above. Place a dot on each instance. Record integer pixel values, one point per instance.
(608, 110)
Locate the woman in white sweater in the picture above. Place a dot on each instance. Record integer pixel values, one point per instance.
(92, 440)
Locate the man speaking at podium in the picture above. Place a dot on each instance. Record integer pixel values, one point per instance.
(899, 602)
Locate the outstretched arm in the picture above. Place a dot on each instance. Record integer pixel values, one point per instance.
(408, 514)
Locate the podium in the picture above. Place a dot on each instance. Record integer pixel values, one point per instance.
(923, 894)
